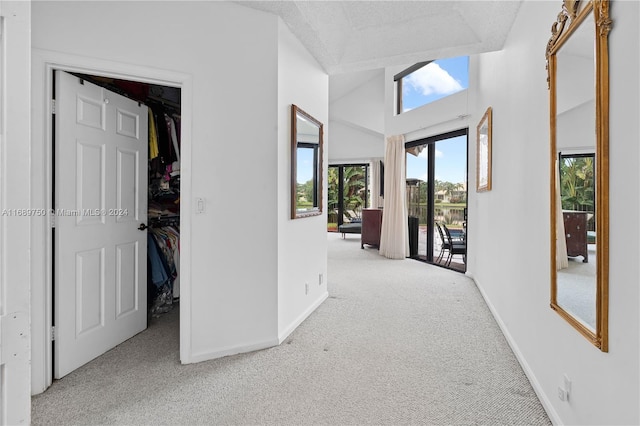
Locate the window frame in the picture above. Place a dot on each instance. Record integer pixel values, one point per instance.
(398, 80)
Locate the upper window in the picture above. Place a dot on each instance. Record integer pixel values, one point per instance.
(429, 81)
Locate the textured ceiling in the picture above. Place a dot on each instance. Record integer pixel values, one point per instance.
(346, 36)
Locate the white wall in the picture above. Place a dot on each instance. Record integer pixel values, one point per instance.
(230, 55)
(509, 246)
(363, 106)
(357, 123)
(575, 104)
(302, 243)
(351, 144)
(575, 85)
(571, 132)
(444, 115)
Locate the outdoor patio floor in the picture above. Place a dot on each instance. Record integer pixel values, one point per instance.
(457, 262)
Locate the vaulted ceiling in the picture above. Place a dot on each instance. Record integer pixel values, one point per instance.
(355, 40)
(347, 36)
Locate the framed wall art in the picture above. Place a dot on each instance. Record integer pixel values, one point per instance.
(483, 153)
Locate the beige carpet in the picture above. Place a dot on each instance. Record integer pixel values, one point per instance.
(397, 342)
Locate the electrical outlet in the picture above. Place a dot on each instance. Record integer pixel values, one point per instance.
(562, 394)
(564, 390)
(306, 288)
(567, 383)
(567, 386)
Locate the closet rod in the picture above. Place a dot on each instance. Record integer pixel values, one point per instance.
(164, 102)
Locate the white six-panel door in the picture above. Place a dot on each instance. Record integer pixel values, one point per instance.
(100, 275)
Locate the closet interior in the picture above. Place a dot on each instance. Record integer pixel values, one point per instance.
(163, 236)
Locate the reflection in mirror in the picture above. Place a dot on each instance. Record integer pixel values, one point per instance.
(306, 164)
(576, 277)
(578, 83)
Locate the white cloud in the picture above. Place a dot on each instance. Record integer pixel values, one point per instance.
(433, 80)
(423, 153)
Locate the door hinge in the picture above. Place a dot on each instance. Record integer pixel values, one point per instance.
(53, 220)
(53, 333)
(53, 106)
(14, 337)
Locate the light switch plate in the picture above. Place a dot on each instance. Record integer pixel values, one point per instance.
(200, 205)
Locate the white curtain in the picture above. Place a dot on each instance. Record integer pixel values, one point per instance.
(562, 261)
(376, 199)
(394, 240)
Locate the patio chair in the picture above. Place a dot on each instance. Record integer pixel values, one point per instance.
(454, 246)
(445, 245)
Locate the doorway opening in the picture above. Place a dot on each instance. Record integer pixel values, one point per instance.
(119, 181)
(437, 198)
(348, 194)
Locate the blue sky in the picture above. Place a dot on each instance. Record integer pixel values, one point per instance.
(435, 80)
(305, 165)
(451, 161)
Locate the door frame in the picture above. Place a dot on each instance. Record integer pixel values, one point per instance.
(367, 174)
(430, 143)
(15, 286)
(44, 62)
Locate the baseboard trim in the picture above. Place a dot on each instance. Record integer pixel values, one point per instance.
(287, 331)
(269, 343)
(542, 396)
(232, 350)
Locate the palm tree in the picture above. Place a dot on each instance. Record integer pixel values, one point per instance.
(354, 185)
(577, 183)
(332, 190)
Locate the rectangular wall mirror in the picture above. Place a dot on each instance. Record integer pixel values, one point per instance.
(306, 164)
(577, 62)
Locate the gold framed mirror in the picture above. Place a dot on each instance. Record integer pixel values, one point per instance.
(306, 164)
(578, 77)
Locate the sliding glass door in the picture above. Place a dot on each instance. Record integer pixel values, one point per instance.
(437, 197)
(348, 192)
